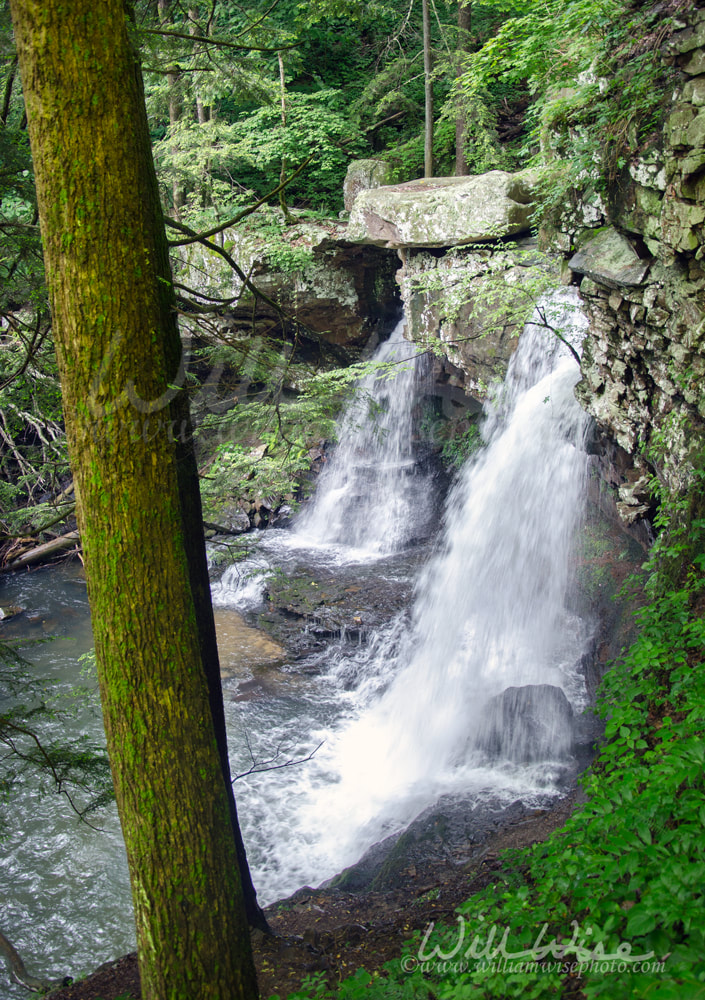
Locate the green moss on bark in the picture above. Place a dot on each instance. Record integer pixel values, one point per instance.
(116, 338)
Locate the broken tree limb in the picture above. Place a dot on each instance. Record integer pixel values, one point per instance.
(42, 553)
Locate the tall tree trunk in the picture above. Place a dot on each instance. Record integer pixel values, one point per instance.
(7, 92)
(203, 111)
(195, 545)
(282, 173)
(117, 344)
(173, 78)
(464, 25)
(428, 91)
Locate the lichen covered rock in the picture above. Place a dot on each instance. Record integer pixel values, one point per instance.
(364, 175)
(609, 257)
(342, 292)
(471, 305)
(444, 211)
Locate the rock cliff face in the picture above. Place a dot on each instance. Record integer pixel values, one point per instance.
(470, 304)
(343, 292)
(639, 260)
(642, 277)
(638, 256)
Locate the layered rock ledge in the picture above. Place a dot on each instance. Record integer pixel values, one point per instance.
(443, 211)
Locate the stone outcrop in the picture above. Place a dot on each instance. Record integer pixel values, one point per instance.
(642, 276)
(344, 293)
(364, 175)
(472, 304)
(608, 257)
(444, 211)
(637, 253)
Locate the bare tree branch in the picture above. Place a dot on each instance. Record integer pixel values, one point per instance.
(218, 42)
(260, 767)
(197, 238)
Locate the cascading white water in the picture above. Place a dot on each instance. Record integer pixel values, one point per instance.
(370, 497)
(398, 714)
(490, 611)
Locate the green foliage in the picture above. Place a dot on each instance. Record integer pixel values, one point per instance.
(459, 447)
(407, 158)
(237, 469)
(33, 453)
(317, 124)
(263, 450)
(599, 86)
(625, 876)
(32, 450)
(478, 110)
(212, 160)
(263, 446)
(494, 288)
(457, 439)
(200, 157)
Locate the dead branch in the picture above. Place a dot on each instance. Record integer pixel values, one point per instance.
(260, 767)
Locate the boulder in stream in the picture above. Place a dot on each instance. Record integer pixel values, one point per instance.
(526, 724)
(242, 647)
(10, 611)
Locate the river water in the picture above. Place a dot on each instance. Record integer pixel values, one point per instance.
(392, 718)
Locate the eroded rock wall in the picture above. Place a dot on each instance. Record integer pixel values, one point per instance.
(641, 270)
(343, 292)
(469, 305)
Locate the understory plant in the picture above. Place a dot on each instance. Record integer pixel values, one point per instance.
(599, 85)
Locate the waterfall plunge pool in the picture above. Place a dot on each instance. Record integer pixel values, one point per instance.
(396, 717)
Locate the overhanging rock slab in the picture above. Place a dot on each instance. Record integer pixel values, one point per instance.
(443, 211)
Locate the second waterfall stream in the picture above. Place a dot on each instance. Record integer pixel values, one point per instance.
(491, 614)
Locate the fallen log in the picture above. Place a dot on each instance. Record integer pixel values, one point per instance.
(42, 553)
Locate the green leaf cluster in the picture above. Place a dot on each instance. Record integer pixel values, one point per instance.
(599, 87)
(33, 451)
(33, 749)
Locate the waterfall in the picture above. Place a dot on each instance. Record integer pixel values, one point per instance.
(434, 704)
(490, 616)
(371, 496)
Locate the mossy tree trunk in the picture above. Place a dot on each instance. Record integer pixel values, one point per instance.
(128, 430)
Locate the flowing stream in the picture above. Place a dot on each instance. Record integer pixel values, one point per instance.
(398, 719)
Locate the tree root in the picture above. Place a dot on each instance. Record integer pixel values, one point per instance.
(19, 973)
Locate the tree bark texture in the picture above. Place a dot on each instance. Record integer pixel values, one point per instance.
(127, 427)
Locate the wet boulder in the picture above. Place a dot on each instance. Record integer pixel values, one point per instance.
(527, 724)
(10, 611)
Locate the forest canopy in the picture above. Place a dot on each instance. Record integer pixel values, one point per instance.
(270, 103)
